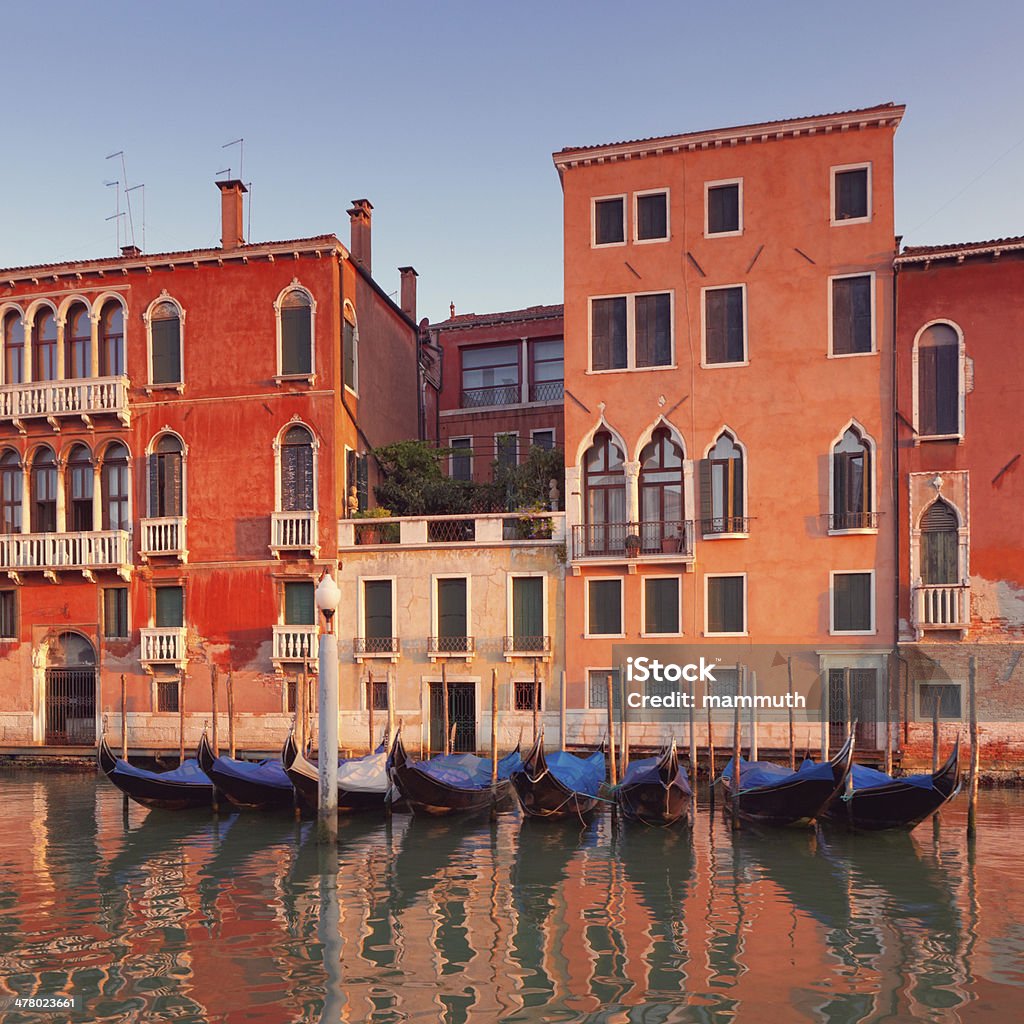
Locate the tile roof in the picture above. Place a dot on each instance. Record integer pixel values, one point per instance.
(462, 320)
(881, 111)
(958, 250)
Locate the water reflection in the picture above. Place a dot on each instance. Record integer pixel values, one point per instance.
(185, 917)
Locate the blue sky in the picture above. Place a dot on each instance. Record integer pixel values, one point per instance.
(445, 116)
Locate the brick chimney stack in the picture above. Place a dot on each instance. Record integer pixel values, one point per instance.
(231, 231)
(360, 216)
(409, 276)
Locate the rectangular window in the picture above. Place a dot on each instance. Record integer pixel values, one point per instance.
(726, 611)
(661, 606)
(291, 695)
(543, 439)
(610, 221)
(506, 449)
(348, 353)
(726, 684)
(608, 333)
(852, 610)
(115, 613)
(166, 336)
(170, 607)
(852, 331)
(452, 612)
(296, 341)
(299, 604)
(167, 695)
(490, 375)
(604, 608)
(526, 695)
(851, 194)
(948, 696)
(528, 613)
(460, 464)
(723, 211)
(377, 618)
(724, 327)
(377, 694)
(597, 688)
(651, 216)
(8, 623)
(547, 370)
(653, 330)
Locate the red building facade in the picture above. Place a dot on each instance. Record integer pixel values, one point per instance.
(179, 435)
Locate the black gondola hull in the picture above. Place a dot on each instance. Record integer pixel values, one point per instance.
(305, 780)
(662, 802)
(152, 792)
(540, 793)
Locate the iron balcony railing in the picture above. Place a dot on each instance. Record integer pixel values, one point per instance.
(631, 540)
(80, 397)
(498, 394)
(716, 525)
(440, 645)
(375, 645)
(853, 521)
(547, 391)
(527, 645)
(942, 606)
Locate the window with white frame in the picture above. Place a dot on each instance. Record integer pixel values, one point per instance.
(460, 459)
(722, 490)
(299, 603)
(526, 613)
(725, 605)
(597, 688)
(604, 607)
(852, 328)
(298, 490)
(14, 347)
(609, 217)
(631, 332)
(378, 625)
(650, 216)
(111, 339)
(166, 477)
(451, 611)
(8, 615)
(851, 194)
(544, 439)
(944, 698)
(853, 602)
(940, 545)
(662, 606)
(115, 613)
(295, 311)
(725, 325)
(723, 208)
(350, 348)
(852, 475)
(938, 383)
(165, 342)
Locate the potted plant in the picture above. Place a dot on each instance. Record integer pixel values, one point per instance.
(371, 534)
(671, 543)
(633, 543)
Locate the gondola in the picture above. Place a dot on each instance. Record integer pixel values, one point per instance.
(560, 785)
(878, 801)
(251, 784)
(174, 790)
(772, 795)
(362, 781)
(655, 790)
(450, 783)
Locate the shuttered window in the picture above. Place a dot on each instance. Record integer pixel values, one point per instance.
(851, 482)
(609, 221)
(377, 622)
(851, 602)
(11, 478)
(44, 492)
(451, 608)
(299, 604)
(726, 604)
(115, 613)
(8, 625)
(940, 545)
(78, 479)
(852, 332)
(527, 607)
(296, 334)
(938, 381)
(604, 607)
(721, 488)
(165, 473)
(114, 480)
(461, 465)
(348, 354)
(723, 325)
(653, 338)
(851, 194)
(661, 605)
(652, 216)
(165, 340)
(170, 607)
(297, 471)
(723, 209)
(608, 334)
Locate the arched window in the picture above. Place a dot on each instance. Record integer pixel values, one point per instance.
(44, 345)
(165, 343)
(112, 340)
(605, 496)
(938, 381)
(295, 313)
(166, 490)
(721, 487)
(114, 479)
(77, 343)
(44, 491)
(14, 348)
(297, 493)
(10, 492)
(852, 507)
(78, 489)
(350, 348)
(940, 544)
(661, 491)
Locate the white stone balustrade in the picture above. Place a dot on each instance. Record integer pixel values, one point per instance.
(80, 397)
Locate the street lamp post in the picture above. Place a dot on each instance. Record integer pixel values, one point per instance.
(328, 596)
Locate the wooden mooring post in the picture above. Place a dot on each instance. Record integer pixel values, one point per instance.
(124, 717)
(536, 698)
(792, 739)
(972, 792)
(369, 705)
(444, 701)
(561, 712)
(231, 715)
(612, 774)
(735, 781)
(213, 705)
(181, 720)
(494, 743)
(624, 727)
(711, 764)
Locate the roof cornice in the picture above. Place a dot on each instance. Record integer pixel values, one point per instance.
(958, 251)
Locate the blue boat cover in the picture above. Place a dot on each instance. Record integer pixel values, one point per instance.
(646, 770)
(187, 774)
(580, 774)
(467, 771)
(870, 778)
(763, 774)
(266, 773)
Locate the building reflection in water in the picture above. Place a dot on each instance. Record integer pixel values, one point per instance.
(189, 917)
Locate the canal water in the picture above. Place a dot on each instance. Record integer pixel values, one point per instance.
(154, 916)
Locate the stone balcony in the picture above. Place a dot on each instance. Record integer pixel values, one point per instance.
(941, 606)
(163, 645)
(491, 529)
(294, 532)
(295, 645)
(54, 399)
(164, 538)
(51, 553)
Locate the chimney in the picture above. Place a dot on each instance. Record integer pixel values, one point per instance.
(360, 215)
(231, 192)
(409, 276)
(130, 251)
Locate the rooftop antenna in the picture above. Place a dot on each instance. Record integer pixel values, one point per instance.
(128, 201)
(248, 230)
(116, 215)
(225, 170)
(127, 193)
(240, 143)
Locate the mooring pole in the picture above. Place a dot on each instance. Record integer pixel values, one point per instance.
(536, 697)
(753, 716)
(693, 738)
(444, 701)
(792, 740)
(494, 743)
(561, 712)
(124, 718)
(624, 729)
(888, 721)
(213, 705)
(847, 708)
(711, 764)
(935, 729)
(736, 762)
(612, 774)
(369, 705)
(181, 720)
(972, 803)
(391, 714)
(231, 715)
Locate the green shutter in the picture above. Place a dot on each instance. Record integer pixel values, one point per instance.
(296, 354)
(170, 607)
(166, 351)
(299, 605)
(527, 606)
(377, 609)
(451, 608)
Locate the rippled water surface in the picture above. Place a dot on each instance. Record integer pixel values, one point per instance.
(155, 916)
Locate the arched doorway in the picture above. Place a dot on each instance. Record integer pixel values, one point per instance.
(70, 691)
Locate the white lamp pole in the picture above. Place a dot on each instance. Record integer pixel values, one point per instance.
(328, 596)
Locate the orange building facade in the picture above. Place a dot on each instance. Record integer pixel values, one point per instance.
(960, 318)
(179, 435)
(728, 422)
